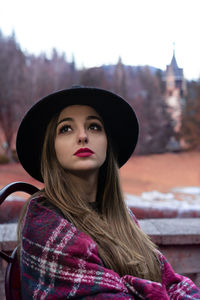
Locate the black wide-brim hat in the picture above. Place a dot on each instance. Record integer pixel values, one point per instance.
(119, 119)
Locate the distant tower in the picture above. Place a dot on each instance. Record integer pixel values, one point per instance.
(175, 91)
(120, 79)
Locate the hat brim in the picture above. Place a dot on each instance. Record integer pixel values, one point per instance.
(118, 117)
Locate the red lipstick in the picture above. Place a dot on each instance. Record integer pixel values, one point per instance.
(83, 152)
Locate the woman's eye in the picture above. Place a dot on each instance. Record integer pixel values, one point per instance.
(95, 127)
(65, 128)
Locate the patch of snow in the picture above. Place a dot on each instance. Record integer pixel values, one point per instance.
(176, 200)
(191, 190)
(156, 196)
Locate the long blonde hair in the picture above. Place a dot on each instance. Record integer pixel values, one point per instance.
(122, 245)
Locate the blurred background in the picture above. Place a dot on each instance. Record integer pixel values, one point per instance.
(147, 51)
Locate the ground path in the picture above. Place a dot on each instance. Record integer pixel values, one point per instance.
(161, 172)
(142, 173)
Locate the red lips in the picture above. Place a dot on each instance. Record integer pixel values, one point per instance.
(83, 152)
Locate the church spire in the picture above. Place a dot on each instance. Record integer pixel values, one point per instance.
(174, 49)
(174, 64)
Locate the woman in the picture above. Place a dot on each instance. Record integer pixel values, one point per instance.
(77, 237)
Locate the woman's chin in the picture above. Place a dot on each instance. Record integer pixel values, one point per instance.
(85, 166)
(84, 170)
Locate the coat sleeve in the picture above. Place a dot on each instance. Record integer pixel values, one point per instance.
(178, 286)
(173, 286)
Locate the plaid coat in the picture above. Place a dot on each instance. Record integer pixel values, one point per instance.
(60, 262)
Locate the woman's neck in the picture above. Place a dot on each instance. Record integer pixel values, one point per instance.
(87, 185)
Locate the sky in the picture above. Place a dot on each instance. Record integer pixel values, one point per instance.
(141, 32)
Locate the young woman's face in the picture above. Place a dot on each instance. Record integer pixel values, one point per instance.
(80, 142)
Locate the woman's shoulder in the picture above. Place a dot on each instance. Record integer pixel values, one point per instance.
(39, 207)
(42, 219)
(44, 224)
(40, 204)
(46, 231)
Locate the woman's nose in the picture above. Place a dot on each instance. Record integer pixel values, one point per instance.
(82, 137)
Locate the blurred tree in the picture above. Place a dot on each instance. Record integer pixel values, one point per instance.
(93, 77)
(46, 75)
(12, 87)
(65, 74)
(119, 79)
(190, 130)
(155, 122)
(25, 79)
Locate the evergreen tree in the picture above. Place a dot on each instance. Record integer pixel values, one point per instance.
(190, 130)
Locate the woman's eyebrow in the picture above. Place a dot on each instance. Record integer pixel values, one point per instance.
(71, 119)
(65, 119)
(94, 118)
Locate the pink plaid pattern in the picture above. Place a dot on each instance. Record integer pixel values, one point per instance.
(60, 262)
